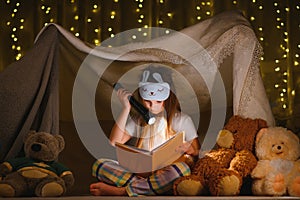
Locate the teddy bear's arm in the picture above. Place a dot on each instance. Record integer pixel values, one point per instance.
(261, 169)
(64, 173)
(5, 168)
(13, 165)
(68, 177)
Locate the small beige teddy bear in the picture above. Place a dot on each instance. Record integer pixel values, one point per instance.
(278, 169)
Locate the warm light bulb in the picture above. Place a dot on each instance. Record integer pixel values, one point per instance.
(293, 92)
(96, 42)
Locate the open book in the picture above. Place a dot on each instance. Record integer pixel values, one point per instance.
(139, 160)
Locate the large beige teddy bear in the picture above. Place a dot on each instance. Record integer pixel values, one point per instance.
(278, 169)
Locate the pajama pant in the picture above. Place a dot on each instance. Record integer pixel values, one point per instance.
(160, 182)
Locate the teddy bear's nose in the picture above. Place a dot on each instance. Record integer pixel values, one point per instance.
(36, 147)
(278, 147)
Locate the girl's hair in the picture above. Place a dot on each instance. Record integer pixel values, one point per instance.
(171, 104)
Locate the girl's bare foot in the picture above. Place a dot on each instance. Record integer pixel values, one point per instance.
(103, 189)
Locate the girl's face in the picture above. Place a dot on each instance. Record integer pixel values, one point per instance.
(154, 106)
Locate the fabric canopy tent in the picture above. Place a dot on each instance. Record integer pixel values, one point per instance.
(37, 92)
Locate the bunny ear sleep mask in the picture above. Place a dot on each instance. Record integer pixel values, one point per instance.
(159, 91)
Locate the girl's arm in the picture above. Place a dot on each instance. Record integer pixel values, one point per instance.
(118, 133)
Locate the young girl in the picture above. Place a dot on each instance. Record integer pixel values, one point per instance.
(156, 92)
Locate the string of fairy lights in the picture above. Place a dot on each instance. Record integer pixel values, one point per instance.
(283, 85)
(285, 58)
(16, 29)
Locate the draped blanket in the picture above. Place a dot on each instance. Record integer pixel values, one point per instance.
(36, 91)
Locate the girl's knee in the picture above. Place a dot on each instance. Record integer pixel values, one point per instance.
(181, 168)
(98, 164)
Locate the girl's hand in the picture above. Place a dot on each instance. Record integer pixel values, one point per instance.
(186, 147)
(123, 97)
(190, 148)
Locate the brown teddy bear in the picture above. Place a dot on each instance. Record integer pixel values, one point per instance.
(38, 173)
(221, 171)
(278, 169)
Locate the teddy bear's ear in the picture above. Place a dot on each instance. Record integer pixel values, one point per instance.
(262, 123)
(29, 134)
(259, 134)
(295, 137)
(61, 141)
